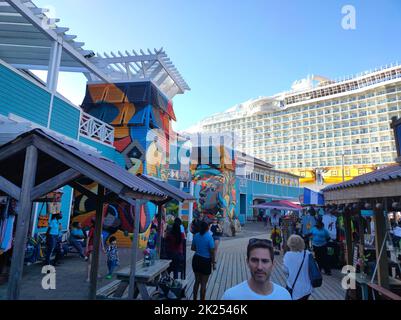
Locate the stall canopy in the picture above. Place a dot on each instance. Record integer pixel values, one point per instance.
(279, 205)
(39, 161)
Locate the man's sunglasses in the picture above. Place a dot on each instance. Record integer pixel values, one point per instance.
(263, 241)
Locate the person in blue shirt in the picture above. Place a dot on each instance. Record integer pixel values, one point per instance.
(320, 236)
(203, 260)
(52, 239)
(77, 238)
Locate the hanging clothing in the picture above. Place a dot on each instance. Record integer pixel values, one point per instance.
(308, 222)
(7, 238)
(329, 222)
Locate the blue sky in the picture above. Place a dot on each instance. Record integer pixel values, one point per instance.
(232, 51)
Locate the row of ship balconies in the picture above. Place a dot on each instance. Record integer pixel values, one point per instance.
(389, 92)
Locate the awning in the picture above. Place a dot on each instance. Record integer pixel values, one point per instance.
(279, 205)
(173, 192)
(59, 156)
(274, 197)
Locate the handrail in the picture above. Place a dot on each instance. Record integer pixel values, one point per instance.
(96, 129)
(384, 292)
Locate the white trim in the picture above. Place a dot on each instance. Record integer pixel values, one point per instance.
(53, 77)
(56, 35)
(97, 141)
(18, 119)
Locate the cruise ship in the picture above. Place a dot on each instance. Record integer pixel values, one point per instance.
(323, 130)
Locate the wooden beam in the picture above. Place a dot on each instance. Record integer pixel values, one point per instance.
(382, 263)
(15, 147)
(361, 237)
(24, 217)
(78, 164)
(83, 190)
(373, 190)
(96, 243)
(54, 183)
(134, 253)
(10, 188)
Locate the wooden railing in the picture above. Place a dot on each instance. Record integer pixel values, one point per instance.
(96, 129)
(385, 293)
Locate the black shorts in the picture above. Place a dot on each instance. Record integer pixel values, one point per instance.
(202, 265)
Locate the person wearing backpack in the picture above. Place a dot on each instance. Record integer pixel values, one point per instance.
(296, 268)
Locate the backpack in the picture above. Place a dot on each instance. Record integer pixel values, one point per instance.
(314, 273)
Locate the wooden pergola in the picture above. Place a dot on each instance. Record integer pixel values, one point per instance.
(38, 162)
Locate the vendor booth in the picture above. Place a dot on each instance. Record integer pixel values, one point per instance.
(371, 206)
(39, 162)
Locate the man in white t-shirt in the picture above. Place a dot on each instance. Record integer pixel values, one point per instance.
(260, 260)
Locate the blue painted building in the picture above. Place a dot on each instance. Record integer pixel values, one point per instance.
(27, 102)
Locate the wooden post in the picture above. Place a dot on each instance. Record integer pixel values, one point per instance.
(23, 220)
(361, 238)
(97, 238)
(348, 237)
(382, 263)
(160, 229)
(134, 253)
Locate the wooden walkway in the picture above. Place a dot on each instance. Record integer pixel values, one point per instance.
(232, 270)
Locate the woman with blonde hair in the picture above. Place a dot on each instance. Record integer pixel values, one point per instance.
(296, 268)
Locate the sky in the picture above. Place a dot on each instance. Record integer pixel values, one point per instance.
(230, 51)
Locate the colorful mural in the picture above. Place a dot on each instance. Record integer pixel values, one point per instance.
(141, 116)
(214, 185)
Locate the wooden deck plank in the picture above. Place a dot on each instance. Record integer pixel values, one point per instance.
(226, 281)
(232, 270)
(217, 276)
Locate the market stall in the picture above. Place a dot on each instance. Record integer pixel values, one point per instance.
(38, 162)
(370, 205)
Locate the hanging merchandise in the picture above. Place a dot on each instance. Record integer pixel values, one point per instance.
(4, 201)
(7, 225)
(54, 202)
(43, 220)
(53, 206)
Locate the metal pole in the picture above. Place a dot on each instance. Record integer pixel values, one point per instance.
(343, 155)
